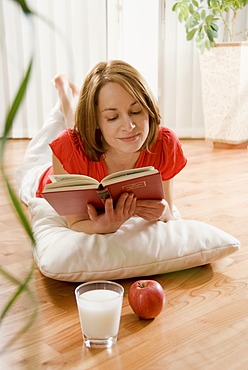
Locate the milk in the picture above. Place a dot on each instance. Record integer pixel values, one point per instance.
(100, 312)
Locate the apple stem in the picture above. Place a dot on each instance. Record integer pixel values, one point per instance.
(141, 285)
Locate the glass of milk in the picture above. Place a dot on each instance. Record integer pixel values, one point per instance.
(99, 306)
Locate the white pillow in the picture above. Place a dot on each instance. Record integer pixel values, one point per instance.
(138, 248)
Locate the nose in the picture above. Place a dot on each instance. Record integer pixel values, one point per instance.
(128, 124)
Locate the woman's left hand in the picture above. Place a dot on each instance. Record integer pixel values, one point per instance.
(153, 210)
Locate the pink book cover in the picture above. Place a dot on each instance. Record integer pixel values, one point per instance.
(145, 187)
(73, 202)
(69, 202)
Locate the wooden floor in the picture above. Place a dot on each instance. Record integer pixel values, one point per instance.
(204, 325)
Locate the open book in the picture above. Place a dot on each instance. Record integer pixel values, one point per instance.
(69, 194)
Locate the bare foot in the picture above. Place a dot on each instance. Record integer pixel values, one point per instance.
(67, 92)
(75, 90)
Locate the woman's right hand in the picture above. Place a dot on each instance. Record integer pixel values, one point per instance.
(111, 220)
(107, 222)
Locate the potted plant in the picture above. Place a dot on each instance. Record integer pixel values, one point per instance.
(223, 65)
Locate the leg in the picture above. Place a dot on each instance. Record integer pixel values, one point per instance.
(61, 116)
(67, 92)
(38, 156)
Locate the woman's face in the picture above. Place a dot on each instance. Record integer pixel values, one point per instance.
(124, 123)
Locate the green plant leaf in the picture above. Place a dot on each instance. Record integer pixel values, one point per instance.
(203, 14)
(8, 124)
(25, 8)
(17, 100)
(191, 9)
(195, 3)
(18, 208)
(215, 27)
(175, 7)
(21, 287)
(210, 34)
(191, 34)
(182, 10)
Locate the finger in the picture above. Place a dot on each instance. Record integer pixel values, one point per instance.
(153, 207)
(109, 209)
(129, 201)
(121, 201)
(150, 203)
(92, 212)
(127, 205)
(146, 209)
(144, 212)
(147, 213)
(147, 202)
(133, 206)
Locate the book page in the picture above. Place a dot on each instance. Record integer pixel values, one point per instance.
(73, 177)
(67, 180)
(128, 174)
(54, 187)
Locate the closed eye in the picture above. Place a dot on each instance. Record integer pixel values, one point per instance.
(138, 112)
(112, 118)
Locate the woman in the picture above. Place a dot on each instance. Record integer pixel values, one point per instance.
(116, 127)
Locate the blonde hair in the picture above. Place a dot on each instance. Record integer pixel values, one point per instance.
(86, 113)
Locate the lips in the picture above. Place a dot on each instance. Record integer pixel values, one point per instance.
(129, 138)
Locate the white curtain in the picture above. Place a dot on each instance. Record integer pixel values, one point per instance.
(73, 42)
(133, 36)
(145, 33)
(180, 84)
(179, 74)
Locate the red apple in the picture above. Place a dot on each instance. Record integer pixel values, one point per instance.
(146, 298)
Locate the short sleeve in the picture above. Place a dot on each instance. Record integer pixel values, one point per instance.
(172, 159)
(166, 154)
(69, 150)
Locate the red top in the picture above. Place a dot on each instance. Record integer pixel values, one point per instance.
(165, 155)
